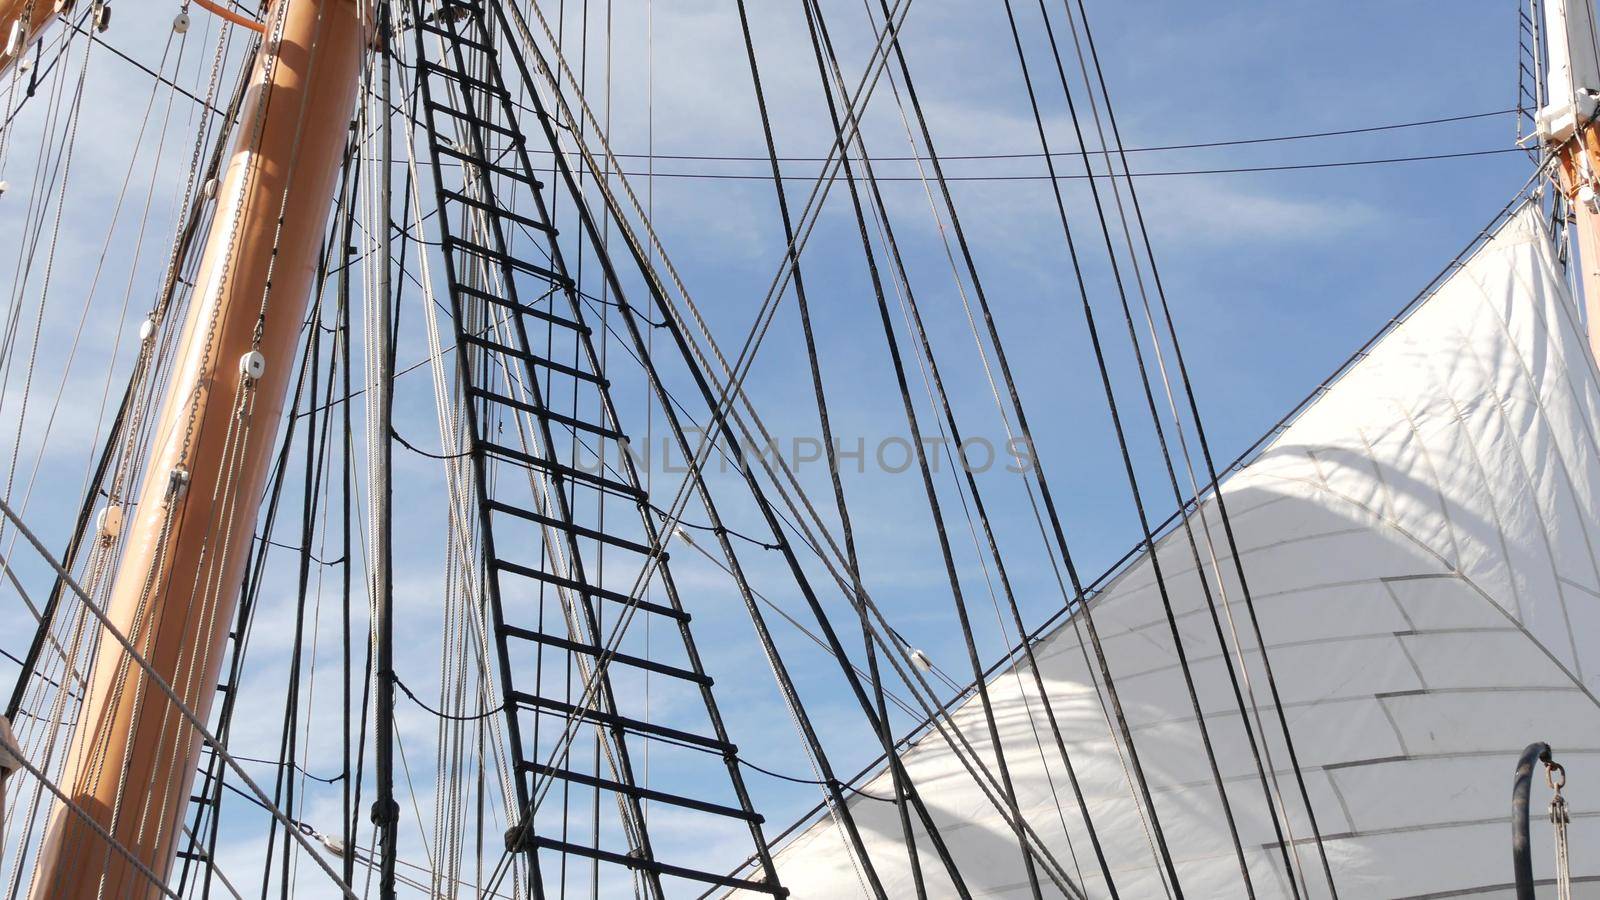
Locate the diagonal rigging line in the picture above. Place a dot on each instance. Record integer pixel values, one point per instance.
(758, 329)
(820, 41)
(1123, 446)
(1193, 502)
(876, 612)
(780, 281)
(649, 271)
(966, 254)
(948, 427)
(166, 689)
(719, 408)
(1194, 412)
(1265, 771)
(884, 731)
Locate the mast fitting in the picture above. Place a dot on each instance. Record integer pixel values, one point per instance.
(253, 365)
(108, 524)
(177, 483)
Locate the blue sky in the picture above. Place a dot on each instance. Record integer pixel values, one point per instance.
(1274, 278)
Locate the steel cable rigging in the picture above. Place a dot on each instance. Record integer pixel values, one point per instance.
(1211, 471)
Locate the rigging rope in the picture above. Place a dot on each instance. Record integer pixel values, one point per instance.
(1171, 173)
(154, 677)
(1068, 154)
(736, 373)
(1194, 411)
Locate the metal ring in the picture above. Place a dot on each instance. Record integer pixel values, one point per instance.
(1550, 770)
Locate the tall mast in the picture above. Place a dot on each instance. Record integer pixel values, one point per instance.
(1566, 126)
(132, 762)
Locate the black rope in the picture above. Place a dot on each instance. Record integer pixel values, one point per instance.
(972, 487)
(620, 305)
(293, 549)
(874, 677)
(295, 766)
(821, 44)
(421, 452)
(305, 828)
(444, 715)
(830, 784)
(971, 268)
(317, 448)
(145, 69)
(1262, 772)
(714, 529)
(1169, 173)
(1194, 411)
(720, 421)
(1138, 500)
(952, 157)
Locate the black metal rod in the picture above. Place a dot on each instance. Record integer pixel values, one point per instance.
(1521, 850)
(385, 811)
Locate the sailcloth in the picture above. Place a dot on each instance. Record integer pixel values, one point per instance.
(1421, 547)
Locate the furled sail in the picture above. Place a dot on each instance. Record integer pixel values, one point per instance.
(1423, 550)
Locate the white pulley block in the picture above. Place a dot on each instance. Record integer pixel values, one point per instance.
(147, 330)
(177, 482)
(210, 188)
(1587, 197)
(108, 524)
(253, 365)
(921, 661)
(180, 23)
(17, 40)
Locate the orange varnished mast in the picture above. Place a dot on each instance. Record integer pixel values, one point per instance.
(20, 24)
(133, 757)
(1566, 126)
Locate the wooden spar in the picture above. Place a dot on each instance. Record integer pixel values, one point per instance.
(20, 23)
(132, 763)
(1566, 127)
(1580, 160)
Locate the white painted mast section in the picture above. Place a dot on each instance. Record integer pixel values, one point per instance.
(1571, 91)
(1572, 70)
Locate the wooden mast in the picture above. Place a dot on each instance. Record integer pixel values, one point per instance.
(20, 24)
(1566, 126)
(132, 763)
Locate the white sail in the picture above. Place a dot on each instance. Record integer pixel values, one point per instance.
(1421, 545)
